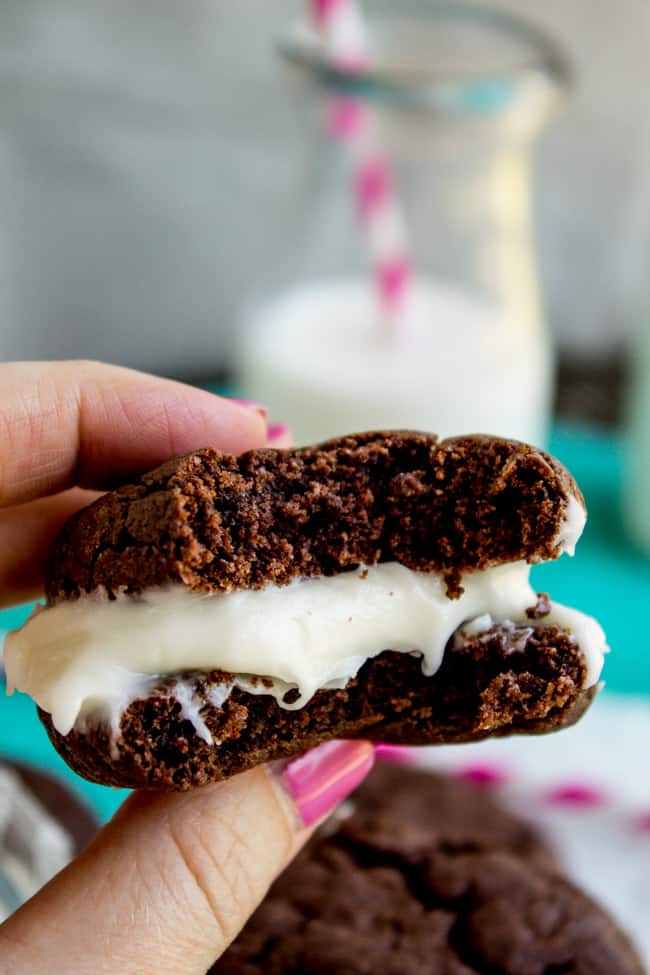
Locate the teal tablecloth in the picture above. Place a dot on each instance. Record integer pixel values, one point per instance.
(608, 578)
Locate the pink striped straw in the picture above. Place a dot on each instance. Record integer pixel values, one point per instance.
(353, 122)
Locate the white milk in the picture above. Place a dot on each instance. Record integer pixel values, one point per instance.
(320, 361)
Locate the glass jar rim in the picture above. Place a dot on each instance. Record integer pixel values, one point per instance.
(461, 91)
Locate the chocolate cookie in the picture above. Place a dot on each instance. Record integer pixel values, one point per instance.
(217, 523)
(427, 876)
(222, 611)
(433, 804)
(482, 688)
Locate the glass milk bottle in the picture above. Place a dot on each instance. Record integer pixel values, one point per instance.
(459, 96)
(637, 481)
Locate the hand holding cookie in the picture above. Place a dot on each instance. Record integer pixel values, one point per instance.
(173, 878)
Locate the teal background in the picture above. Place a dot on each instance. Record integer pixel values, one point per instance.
(609, 578)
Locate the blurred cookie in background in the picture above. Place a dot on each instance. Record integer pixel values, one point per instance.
(42, 827)
(427, 875)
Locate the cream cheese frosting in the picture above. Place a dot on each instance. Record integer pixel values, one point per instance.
(94, 655)
(572, 526)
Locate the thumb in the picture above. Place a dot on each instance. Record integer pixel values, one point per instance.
(172, 879)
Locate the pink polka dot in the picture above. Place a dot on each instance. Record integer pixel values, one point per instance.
(488, 776)
(576, 794)
(643, 823)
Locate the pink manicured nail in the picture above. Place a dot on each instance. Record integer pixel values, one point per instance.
(318, 780)
(250, 404)
(279, 435)
(399, 754)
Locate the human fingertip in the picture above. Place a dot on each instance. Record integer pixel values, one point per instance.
(249, 404)
(321, 778)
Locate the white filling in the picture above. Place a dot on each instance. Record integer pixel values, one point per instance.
(572, 527)
(93, 656)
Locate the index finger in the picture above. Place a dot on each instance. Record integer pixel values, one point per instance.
(93, 425)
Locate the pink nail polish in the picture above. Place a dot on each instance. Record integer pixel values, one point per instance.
(399, 754)
(250, 404)
(318, 780)
(279, 435)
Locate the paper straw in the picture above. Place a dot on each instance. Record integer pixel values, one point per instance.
(353, 122)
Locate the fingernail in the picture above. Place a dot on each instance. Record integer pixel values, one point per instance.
(399, 754)
(320, 779)
(250, 404)
(279, 435)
